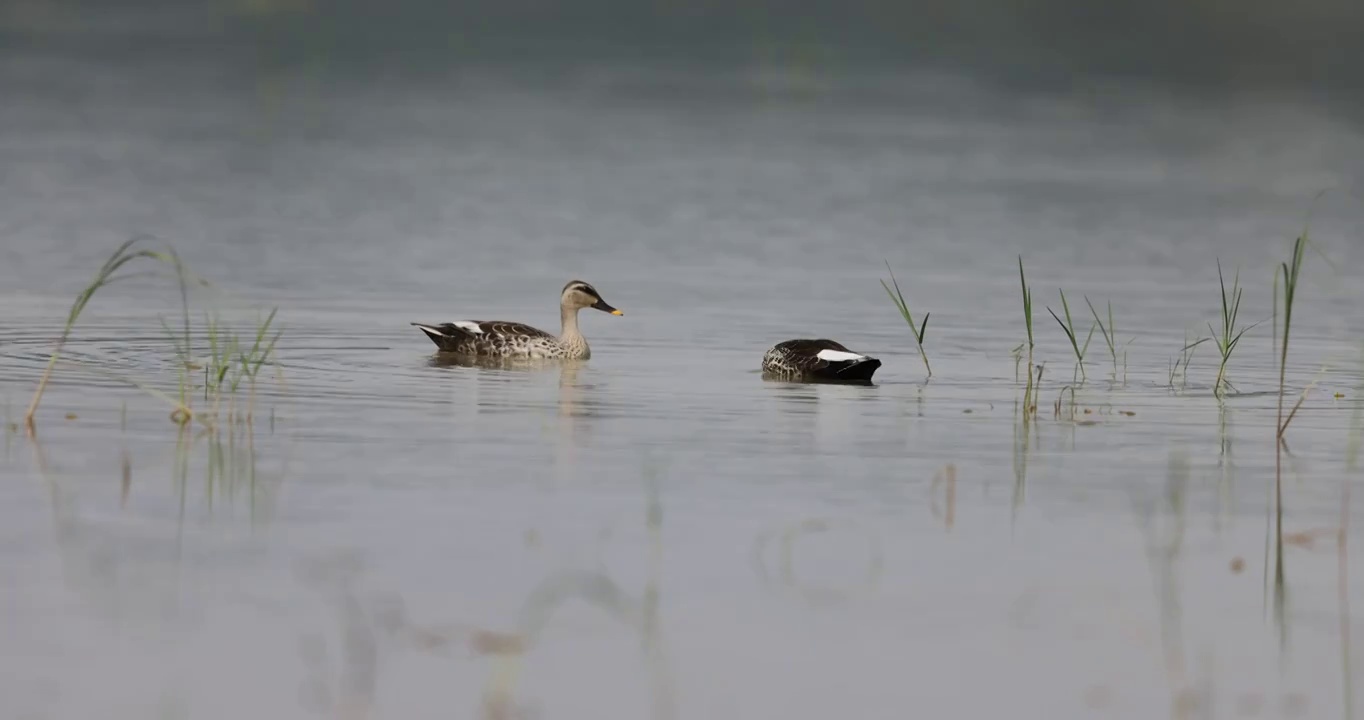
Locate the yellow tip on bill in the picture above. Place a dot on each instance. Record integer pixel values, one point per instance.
(617, 312)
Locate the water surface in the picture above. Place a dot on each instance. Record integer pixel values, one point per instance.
(389, 530)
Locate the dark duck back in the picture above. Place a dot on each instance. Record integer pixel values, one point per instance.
(819, 359)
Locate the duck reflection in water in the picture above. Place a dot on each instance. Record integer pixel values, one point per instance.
(502, 370)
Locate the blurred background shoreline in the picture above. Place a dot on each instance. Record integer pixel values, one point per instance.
(1299, 52)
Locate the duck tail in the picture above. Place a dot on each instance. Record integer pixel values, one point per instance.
(859, 369)
(441, 335)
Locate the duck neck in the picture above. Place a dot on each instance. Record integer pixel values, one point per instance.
(568, 320)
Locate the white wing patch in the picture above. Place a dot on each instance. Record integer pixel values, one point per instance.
(467, 326)
(837, 356)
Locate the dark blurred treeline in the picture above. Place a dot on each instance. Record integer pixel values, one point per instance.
(1311, 47)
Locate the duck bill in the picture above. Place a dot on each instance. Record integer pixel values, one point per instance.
(602, 306)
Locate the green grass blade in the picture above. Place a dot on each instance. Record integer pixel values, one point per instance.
(1069, 334)
(897, 297)
(1108, 339)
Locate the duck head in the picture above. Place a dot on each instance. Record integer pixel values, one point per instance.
(578, 294)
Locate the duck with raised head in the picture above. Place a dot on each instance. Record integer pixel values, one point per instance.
(500, 338)
(817, 360)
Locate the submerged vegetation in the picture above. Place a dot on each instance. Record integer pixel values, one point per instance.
(1109, 333)
(105, 276)
(1068, 325)
(1179, 367)
(229, 360)
(1029, 401)
(1288, 272)
(1231, 332)
(917, 331)
(229, 363)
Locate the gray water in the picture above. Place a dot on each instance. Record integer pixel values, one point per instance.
(658, 532)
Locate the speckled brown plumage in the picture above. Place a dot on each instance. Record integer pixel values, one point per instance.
(501, 338)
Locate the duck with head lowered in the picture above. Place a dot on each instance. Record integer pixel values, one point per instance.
(503, 339)
(806, 360)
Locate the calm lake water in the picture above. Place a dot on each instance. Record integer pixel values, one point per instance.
(658, 532)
